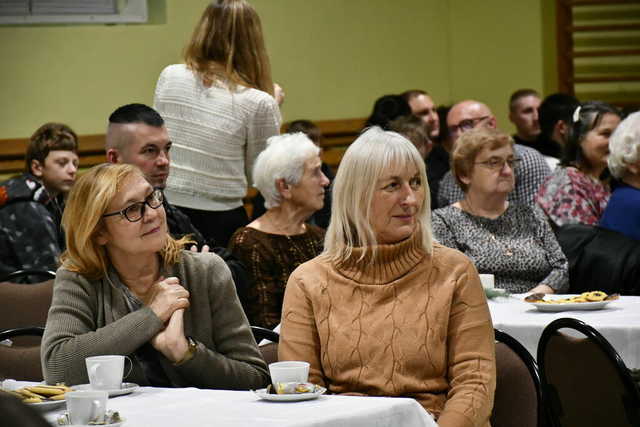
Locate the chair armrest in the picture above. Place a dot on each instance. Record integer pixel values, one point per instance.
(17, 332)
(28, 272)
(260, 333)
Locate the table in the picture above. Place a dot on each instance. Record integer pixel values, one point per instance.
(618, 322)
(186, 407)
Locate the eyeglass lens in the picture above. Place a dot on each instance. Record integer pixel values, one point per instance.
(136, 211)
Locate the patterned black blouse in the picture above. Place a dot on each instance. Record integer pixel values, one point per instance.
(271, 258)
(518, 248)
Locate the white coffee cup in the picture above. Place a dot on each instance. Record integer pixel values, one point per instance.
(487, 281)
(106, 372)
(288, 372)
(86, 406)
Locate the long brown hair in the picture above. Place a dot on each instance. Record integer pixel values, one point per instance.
(88, 201)
(227, 44)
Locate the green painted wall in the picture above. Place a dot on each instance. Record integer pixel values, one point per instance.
(496, 48)
(333, 57)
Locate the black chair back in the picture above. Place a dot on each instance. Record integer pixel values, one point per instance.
(269, 351)
(518, 396)
(260, 333)
(584, 380)
(28, 275)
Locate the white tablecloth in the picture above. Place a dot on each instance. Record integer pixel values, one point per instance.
(618, 322)
(187, 407)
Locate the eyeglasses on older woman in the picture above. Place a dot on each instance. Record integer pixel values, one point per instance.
(135, 211)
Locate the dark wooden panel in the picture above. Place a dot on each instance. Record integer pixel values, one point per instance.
(604, 79)
(605, 52)
(337, 135)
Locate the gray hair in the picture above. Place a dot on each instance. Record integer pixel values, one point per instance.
(624, 145)
(362, 165)
(283, 158)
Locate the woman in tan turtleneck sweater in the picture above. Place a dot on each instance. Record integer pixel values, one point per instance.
(384, 311)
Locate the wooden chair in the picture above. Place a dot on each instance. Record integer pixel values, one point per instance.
(23, 315)
(270, 350)
(584, 380)
(518, 396)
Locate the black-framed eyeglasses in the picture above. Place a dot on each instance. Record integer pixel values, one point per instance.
(135, 211)
(467, 124)
(497, 164)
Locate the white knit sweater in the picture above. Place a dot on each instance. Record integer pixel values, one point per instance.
(216, 134)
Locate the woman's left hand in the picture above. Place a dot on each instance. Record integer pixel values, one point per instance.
(171, 341)
(542, 289)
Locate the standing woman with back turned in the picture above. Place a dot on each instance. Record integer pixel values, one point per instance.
(219, 109)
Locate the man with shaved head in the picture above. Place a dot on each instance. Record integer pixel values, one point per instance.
(531, 173)
(137, 135)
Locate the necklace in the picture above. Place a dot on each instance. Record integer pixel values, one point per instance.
(504, 248)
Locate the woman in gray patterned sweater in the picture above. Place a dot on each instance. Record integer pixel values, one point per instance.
(126, 287)
(513, 242)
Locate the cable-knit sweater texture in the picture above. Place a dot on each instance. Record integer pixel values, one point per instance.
(216, 133)
(410, 324)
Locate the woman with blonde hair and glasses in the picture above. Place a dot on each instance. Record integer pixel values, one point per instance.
(511, 241)
(383, 311)
(127, 288)
(219, 109)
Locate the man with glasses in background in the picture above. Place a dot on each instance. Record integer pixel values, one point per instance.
(532, 169)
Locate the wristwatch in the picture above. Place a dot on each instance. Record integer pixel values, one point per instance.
(191, 351)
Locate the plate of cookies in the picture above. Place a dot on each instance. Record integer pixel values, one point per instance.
(41, 396)
(594, 300)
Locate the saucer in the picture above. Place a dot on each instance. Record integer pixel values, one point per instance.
(63, 420)
(125, 389)
(297, 397)
(47, 405)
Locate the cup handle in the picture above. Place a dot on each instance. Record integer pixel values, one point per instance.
(92, 375)
(96, 409)
(128, 359)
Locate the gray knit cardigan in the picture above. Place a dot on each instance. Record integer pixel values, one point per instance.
(90, 318)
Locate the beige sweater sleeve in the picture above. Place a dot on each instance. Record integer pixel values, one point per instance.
(471, 355)
(299, 336)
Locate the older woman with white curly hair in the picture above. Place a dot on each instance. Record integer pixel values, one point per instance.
(623, 211)
(288, 175)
